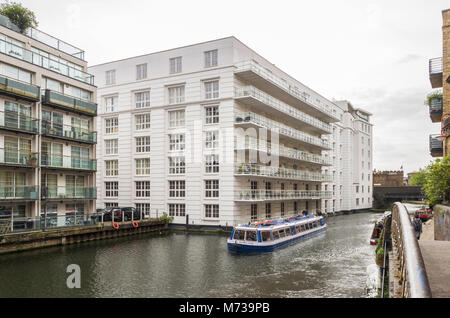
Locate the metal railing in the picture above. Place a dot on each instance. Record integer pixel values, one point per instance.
(436, 145)
(413, 276)
(57, 99)
(19, 192)
(435, 66)
(248, 169)
(250, 91)
(18, 157)
(15, 87)
(15, 121)
(273, 195)
(54, 129)
(56, 192)
(283, 130)
(314, 101)
(69, 162)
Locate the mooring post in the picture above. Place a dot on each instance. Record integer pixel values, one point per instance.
(187, 221)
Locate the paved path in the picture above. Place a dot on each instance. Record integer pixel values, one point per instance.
(436, 255)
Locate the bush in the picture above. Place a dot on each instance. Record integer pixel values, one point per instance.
(20, 16)
(167, 219)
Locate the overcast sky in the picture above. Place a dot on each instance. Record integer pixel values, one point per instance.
(372, 53)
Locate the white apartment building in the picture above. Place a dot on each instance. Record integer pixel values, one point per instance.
(351, 156)
(47, 126)
(181, 131)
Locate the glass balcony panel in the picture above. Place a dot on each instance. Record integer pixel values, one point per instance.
(19, 192)
(17, 88)
(54, 192)
(15, 121)
(68, 132)
(53, 98)
(67, 162)
(16, 157)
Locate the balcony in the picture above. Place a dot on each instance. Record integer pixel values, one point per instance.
(446, 127)
(435, 106)
(18, 89)
(254, 170)
(68, 132)
(13, 121)
(68, 163)
(19, 193)
(34, 58)
(16, 158)
(259, 100)
(315, 106)
(277, 195)
(68, 193)
(285, 132)
(65, 102)
(436, 69)
(283, 151)
(436, 146)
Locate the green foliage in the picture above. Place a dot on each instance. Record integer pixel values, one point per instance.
(418, 178)
(435, 94)
(167, 219)
(437, 181)
(20, 16)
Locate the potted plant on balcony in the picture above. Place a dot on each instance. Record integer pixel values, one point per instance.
(19, 16)
(433, 97)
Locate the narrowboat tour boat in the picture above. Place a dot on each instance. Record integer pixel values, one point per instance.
(266, 236)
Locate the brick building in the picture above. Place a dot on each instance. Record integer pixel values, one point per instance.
(388, 178)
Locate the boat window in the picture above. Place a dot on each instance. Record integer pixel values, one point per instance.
(251, 236)
(276, 236)
(239, 235)
(298, 228)
(307, 226)
(288, 232)
(302, 227)
(266, 236)
(293, 231)
(282, 233)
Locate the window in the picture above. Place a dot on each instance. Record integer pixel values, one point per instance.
(211, 58)
(212, 139)
(142, 189)
(177, 189)
(142, 99)
(254, 212)
(111, 168)
(110, 77)
(141, 71)
(176, 142)
(111, 146)
(112, 125)
(175, 65)
(16, 73)
(176, 94)
(142, 166)
(111, 205)
(212, 163)
(212, 89)
(212, 211)
(268, 210)
(282, 208)
(212, 115)
(143, 208)
(143, 144)
(357, 189)
(111, 104)
(176, 118)
(143, 121)
(112, 189)
(211, 188)
(177, 210)
(357, 202)
(177, 165)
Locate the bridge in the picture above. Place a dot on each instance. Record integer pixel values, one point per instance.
(413, 268)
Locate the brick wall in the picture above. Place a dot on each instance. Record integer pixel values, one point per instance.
(446, 73)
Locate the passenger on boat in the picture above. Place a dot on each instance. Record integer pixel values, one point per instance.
(319, 213)
(305, 213)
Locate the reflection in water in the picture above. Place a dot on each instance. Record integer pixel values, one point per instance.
(333, 264)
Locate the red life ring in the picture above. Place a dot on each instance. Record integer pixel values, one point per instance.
(115, 225)
(135, 224)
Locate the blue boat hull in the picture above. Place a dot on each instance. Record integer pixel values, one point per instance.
(242, 248)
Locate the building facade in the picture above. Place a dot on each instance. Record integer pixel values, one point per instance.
(388, 178)
(47, 126)
(213, 131)
(439, 101)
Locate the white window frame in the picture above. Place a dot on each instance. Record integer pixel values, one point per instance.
(110, 77)
(142, 144)
(143, 124)
(111, 104)
(111, 168)
(175, 65)
(141, 71)
(111, 125)
(211, 58)
(212, 164)
(111, 146)
(177, 189)
(142, 99)
(212, 211)
(212, 189)
(144, 208)
(177, 165)
(177, 142)
(142, 166)
(176, 94)
(177, 118)
(212, 114)
(211, 139)
(211, 89)
(142, 189)
(111, 189)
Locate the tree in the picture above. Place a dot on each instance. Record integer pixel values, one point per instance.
(20, 16)
(418, 178)
(437, 186)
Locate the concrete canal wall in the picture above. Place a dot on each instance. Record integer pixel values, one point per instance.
(64, 236)
(441, 215)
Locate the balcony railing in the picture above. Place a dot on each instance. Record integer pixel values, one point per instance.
(44, 38)
(275, 195)
(68, 162)
(250, 91)
(49, 193)
(284, 130)
(16, 88)
(66, 102)
(290, 88)
(251, 143)
(435, 68)
(17, 122)
(435, 109)
(11, 157)
(19, 192)
(69, 132)
(44, 62)
(436, 146)
(247, 169)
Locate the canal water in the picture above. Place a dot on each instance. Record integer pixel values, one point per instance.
(337, 263)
